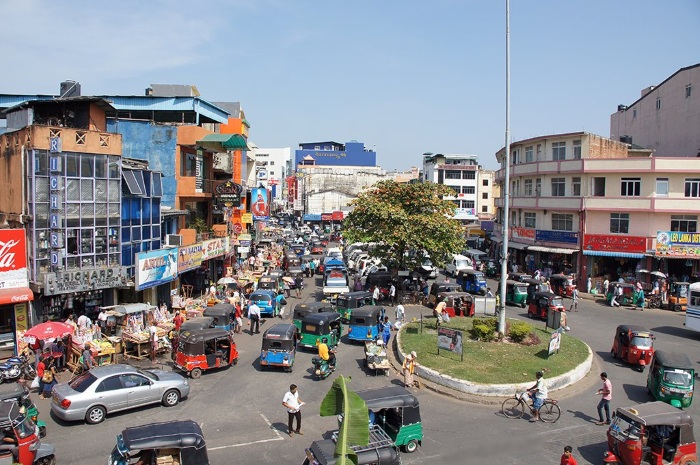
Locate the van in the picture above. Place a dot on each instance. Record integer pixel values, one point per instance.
(459, 262)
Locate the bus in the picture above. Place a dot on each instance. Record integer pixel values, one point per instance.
(692, 314)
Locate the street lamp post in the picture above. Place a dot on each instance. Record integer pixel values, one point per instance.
(506, 191)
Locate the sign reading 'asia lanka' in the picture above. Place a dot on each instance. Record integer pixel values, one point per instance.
(606, 242)
(13, 259)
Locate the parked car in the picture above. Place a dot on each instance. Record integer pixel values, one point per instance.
(458, 263)
(112, 388)
(426, 269)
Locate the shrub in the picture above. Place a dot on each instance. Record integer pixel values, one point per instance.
(489, 322)
(519, 330)
(482, 332)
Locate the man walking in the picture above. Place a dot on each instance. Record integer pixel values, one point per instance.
(298, 282)
(293, 403)
(254, 315)
(375, 295)
(574, 300)
(392, 293)
(606, 392)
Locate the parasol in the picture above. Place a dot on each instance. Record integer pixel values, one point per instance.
(658, 273)
(226, 280)
(643, 271)
(287, 279)
(48, 330)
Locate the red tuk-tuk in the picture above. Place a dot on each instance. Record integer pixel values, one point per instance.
(204, 349)
(562, 284)
(21, 434)
(541, 303)
(654, 433)
(634, 345)
(458, 303)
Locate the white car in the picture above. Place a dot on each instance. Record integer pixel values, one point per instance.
(458, 263)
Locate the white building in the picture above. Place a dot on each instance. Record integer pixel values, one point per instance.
(460, 172)
(269, 167)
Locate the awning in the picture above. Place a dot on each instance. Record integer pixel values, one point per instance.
(518, 245)
(539, 248)
(475, 252)
(227, 141)
(606, 253)
(131, 183)
(15, 295)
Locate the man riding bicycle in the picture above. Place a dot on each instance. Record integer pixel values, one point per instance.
(538, 393)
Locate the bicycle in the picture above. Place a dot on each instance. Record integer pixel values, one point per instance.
(515, 406)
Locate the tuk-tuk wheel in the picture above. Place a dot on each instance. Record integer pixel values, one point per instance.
(288, 369)
(641, 368)
(677, 308)
(235, 361)
(196, 373)
(522, 305)
(613, 354)
(411, 446)
(42, 431)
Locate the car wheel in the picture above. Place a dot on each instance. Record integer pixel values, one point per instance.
(411, 446)
(95, 415)
(195, 373)
(171, 398)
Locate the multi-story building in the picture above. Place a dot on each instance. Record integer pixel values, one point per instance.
(487, 191)
(459, 172)
(270, 170)
(584, 203)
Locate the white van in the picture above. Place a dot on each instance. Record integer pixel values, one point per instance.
(458, 263)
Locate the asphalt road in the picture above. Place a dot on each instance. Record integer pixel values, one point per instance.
(240, 410)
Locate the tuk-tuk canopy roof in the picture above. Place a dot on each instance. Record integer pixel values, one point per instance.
(198, 335)
(546, 294)
(221, 309)
(367, 310)
(280, 331)
(674, 359)
(9, 412)
(165, 435)
(388, 397)
(511, 282)
(12, 391)
(444, 287)
(632, 328)
(470, 272)
(657, 413)
(200, 322)
(314, 307)
(333, 263)
(355, 295)
(267, 278)
(455, 295)
(320, 318)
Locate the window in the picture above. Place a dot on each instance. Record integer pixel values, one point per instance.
(485, 195)
(110, 384)
(662, 187)
(272, 163)
(529, 155)
(634, 112)
(457, 189)
(468, 189)
(452, 174)
(631, 187)
(692, 187)
(468, 203)
(558, 187)
(684, 223)
(515, 158)
(688, 90)
(469, 175)
(530, 220)
(485, 182)
(558, 151)
(576, 187)
(562, 222)
(619, 223)
(598, 187)
(658, 103)
(538, 186)
(528, 188)
(133, 380)
(577, 149)
(484, 209)
(188, 165)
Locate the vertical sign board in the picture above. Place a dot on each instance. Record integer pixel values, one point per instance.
(259, 204)
(13, 259)
(555, 342)
(450, 339)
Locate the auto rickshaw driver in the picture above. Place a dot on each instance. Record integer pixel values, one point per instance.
(325, 353)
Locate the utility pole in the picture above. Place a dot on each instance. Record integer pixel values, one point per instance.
(506, 190)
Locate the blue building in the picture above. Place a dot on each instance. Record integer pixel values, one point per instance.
(331, 153)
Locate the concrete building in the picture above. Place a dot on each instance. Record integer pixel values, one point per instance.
(459, 172)
(271, 167)
(487, 192)
(352, 153)
(665, 118)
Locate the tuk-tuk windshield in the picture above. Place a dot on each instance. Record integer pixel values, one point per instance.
(520, 289)
(625, 429)
(463, 263)
(557, 302)
(24, 426)
(678, 377)
(641, 342)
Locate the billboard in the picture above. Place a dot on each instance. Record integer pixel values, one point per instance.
(259, 207)
(13, 259)
(678, 244)
(155, 268)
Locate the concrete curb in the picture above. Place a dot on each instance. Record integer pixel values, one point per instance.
(491, 390)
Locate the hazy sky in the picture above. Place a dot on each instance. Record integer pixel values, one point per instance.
(404, 77)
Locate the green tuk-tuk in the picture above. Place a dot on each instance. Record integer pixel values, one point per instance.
(309, 308)
(516, 293)
(671, 378)
(11, 392)
(319, 325)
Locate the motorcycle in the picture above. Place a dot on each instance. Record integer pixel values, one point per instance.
(322, 368)
(15, 368)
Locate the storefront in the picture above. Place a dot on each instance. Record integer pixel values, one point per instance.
(679, 253)
(614, 257)
(15, 295)
(555, 251)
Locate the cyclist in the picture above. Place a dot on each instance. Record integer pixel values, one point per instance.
(538, 393)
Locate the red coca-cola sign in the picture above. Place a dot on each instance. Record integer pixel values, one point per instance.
(13, 259)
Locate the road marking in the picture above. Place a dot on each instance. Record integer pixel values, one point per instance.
(277, 433)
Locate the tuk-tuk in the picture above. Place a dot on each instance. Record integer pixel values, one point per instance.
(20, 430)
(17, 392)
(294, 271)
(298, 249)
(221, 313)
(628, 293)
(292, 261)
(472, 281)
(458, 303)
(535, 285)
(491, 269)
(562, 284)
(316, 247)
(397, 412)
(200, 322)
(436, 288)
(265, 299)
(319, 325)
(379, 449)
(309, 308)
(268, 282)
(671, 378)
(175, 442)
(519, 276)
(634, 345)
(346, 303)
(542, 302)
(651, 434)
(516, 293)
(279, 346)
(365, 323)
(335, 282)
(204, 349)
(678, 296)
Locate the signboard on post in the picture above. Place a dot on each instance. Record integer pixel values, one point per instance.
(450, 339)
(554, 342)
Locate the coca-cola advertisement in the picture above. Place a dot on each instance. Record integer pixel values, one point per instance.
(13, 259)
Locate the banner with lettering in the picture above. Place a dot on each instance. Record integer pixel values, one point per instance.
(678, 244)
(215, 248)
(13, 259)
(189, 257)
(155, 268)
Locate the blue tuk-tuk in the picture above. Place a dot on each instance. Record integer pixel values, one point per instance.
(472, 281)
(221, 313)
(279, 346)
(365, 323)
(346, 303)
(266, 300)
(309, 308)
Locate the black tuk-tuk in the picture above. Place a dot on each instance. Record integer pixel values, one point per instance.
(519, 276)
(319, 325)
(436, 288)
(222, 313)
(309, 308)
(541, 303)
(179, 441)
(17, 392)
(269, 282)
(535, 285)
(346, 303)
(204, 349)
(279, 346)
(200, 322)
(379, 449)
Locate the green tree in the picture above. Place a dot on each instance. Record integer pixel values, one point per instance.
(403, 218)
(354, 429)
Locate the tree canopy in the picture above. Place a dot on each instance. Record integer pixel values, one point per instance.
(406, 220)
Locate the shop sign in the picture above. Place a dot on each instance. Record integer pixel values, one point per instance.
(229, 193)
(338, 216)
(522, 233)
(215, 248)
(247, 218)
(605, 242)
(567, 237)
(13, 259)
(21, 326)
(243, 250)
(312, 217)
(63, 282)
(156, 267)
(326, 216)
(678, 244)
(189, 257)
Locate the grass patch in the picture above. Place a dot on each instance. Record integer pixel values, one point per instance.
(492, 362)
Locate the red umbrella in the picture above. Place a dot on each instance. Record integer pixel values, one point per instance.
(48, 330)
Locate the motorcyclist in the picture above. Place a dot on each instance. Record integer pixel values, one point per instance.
(325, 353)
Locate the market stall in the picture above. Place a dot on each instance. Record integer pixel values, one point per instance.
(133, 321)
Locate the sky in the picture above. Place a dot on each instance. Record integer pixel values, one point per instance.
(404, 77)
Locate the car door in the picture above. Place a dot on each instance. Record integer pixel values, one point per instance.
(140, 390)
(111, 393)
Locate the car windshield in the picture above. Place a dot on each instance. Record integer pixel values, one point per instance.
(462, 263)
(678, 377)
(426, 262)
(149, 374)
(82, 381)
(641, 342)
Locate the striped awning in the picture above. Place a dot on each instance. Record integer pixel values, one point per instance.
(539, 248)
(608, 253)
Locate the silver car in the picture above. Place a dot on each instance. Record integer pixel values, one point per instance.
(112, 388)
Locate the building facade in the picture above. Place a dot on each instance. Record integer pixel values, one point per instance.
(461, 173)
(331, 153)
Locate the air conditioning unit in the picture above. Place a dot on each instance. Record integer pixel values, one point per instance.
(173, 240)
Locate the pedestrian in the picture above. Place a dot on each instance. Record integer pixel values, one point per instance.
(293, 403)
(574, 300)
(254, 315)
(177, 321)
(40, 368)
(400, 313)
(392, 293)
(613, 297)
(60, 354)
(567, 458)
(606, 392)
(386, 331)
(358, 284)
(87, 361)
(298, 282)
(409, 367)
(281, 304)
(439, 312)
(312, 268)
(606, 286)
(375, 295)
(102, 320)
(488, 292)
(589, 284)
(238, 317)
(48, 379)
(153, 333)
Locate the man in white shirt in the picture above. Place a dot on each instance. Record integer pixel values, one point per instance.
(293, 403)
(375, 295)
(254, 315)
(153, 331)
(538, 393)
(392, 294)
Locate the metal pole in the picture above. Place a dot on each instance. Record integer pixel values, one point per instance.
(506, 190)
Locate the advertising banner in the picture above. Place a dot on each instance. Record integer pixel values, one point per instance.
(189, 257)
(13, 259)
(259, 205)
(605, 242)
(156, 267)
(677, 244)
(215, 248)
(450, 339)
(567, 237)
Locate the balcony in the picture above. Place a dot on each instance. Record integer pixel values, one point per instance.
(187, 186)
